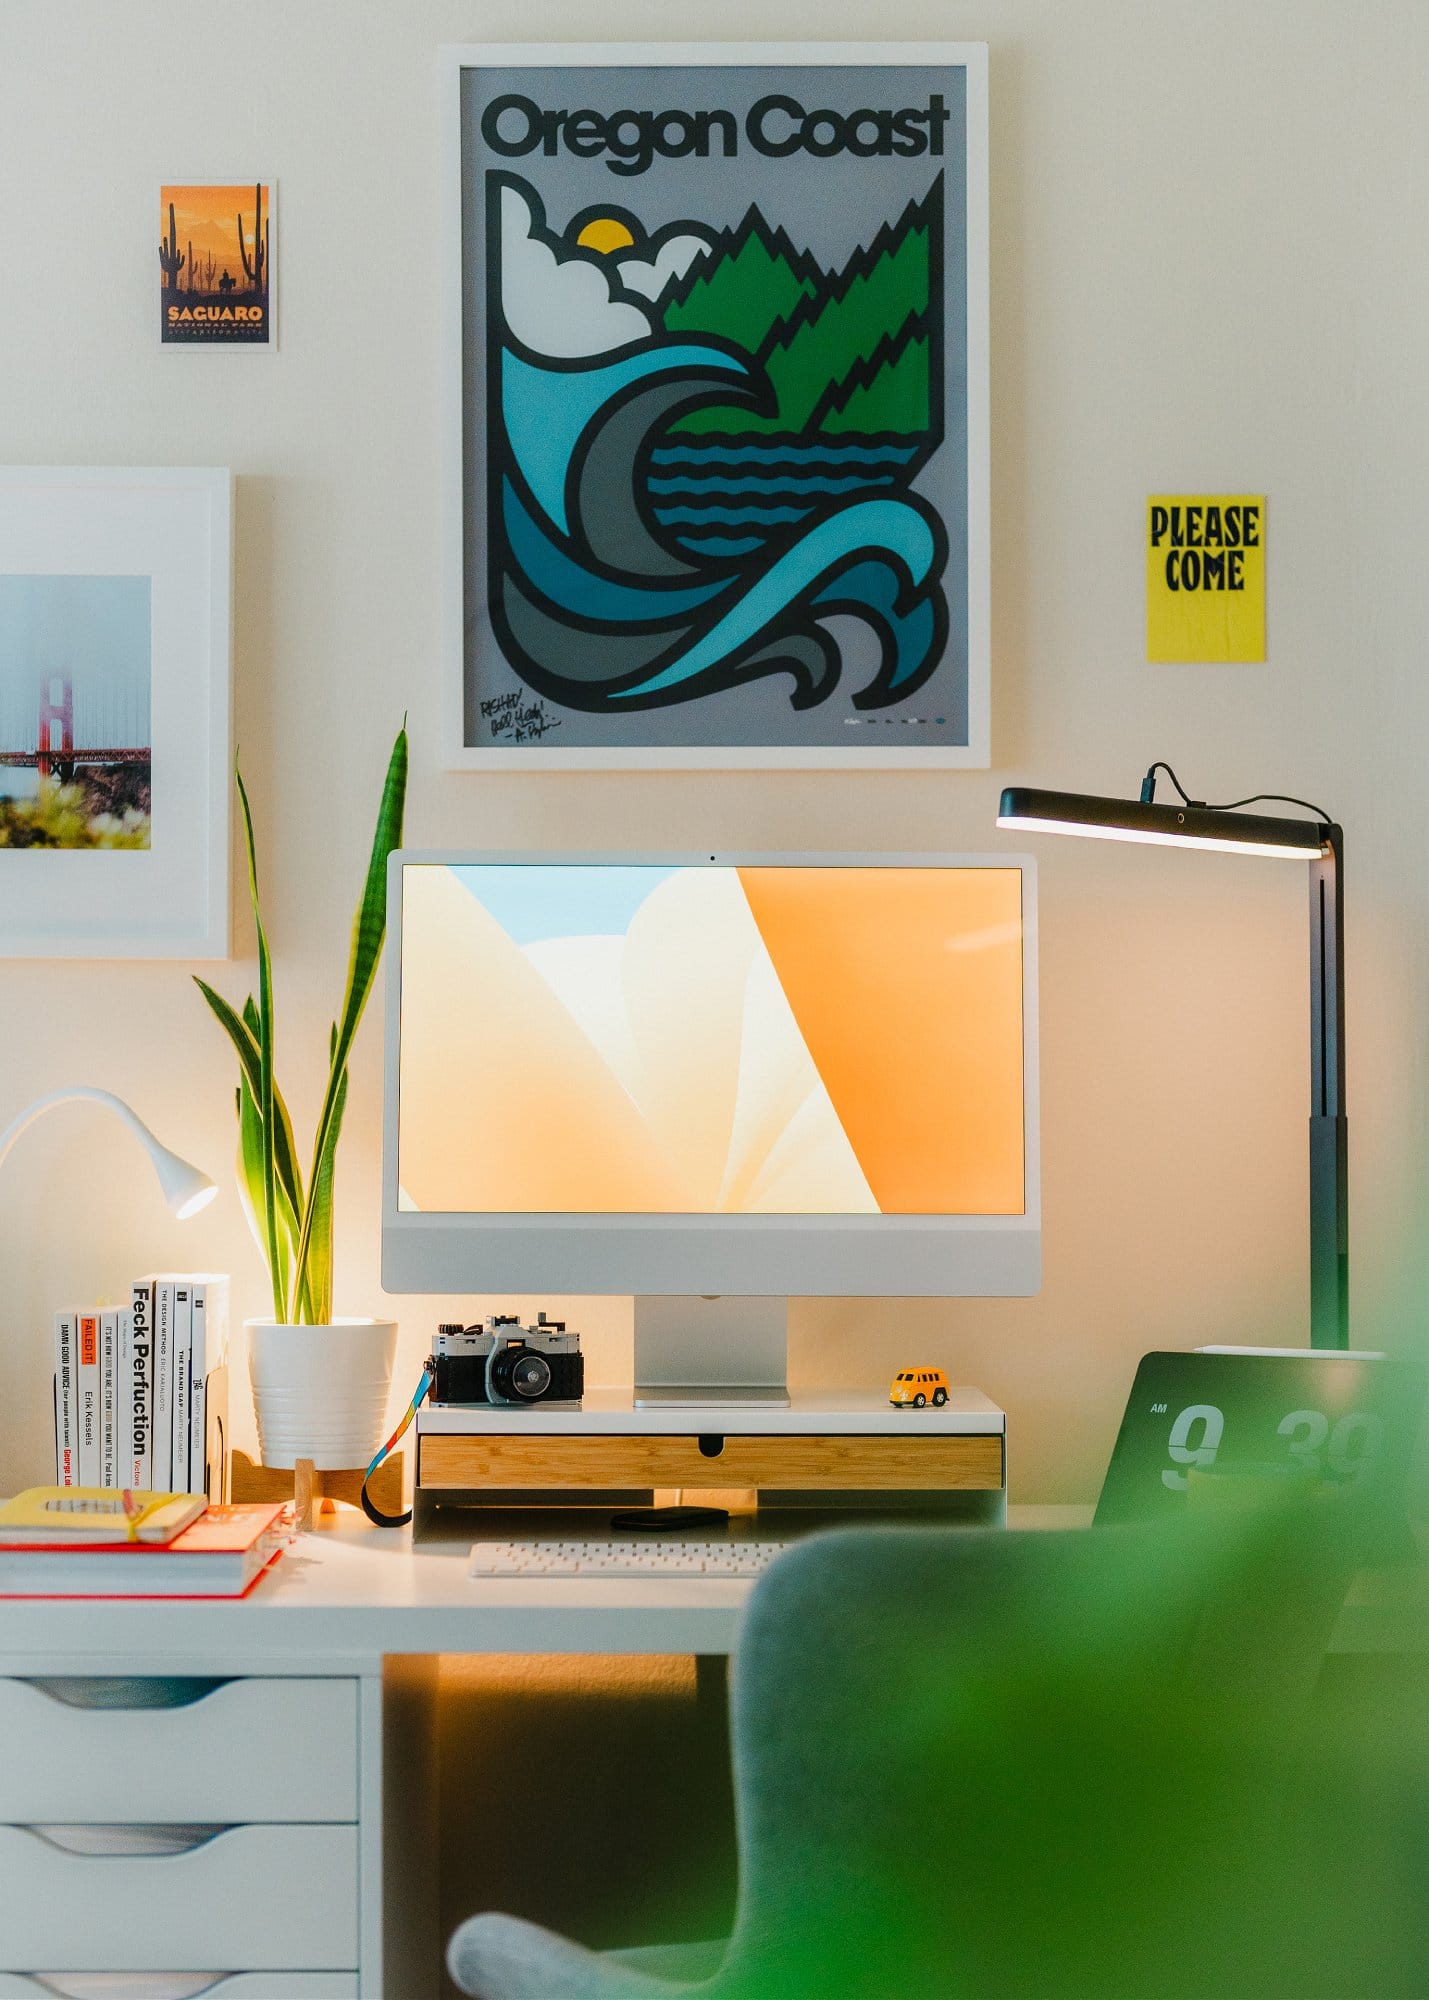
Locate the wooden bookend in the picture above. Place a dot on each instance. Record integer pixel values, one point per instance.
(314, 1492)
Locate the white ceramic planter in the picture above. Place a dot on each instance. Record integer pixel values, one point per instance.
(320, 1392)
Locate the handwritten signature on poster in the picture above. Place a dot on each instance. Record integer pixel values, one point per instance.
(518, 718)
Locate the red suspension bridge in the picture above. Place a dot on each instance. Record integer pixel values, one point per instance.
(102, 727)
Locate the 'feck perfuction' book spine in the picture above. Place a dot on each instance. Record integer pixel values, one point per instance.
(141, 1382)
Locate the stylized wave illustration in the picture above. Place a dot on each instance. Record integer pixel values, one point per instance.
(657, 534)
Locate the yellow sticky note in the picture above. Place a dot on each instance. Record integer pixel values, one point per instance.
(1205, 577)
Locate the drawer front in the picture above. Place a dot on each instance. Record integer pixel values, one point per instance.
(254, 1899)
(250, 1750)
(930, 1463)
(238, 1986)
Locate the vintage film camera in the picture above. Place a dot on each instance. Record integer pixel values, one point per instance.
(505, 1362)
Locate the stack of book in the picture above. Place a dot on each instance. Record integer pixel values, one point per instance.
(84, 1542)
(141, 1391)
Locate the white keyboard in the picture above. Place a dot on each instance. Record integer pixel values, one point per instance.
(648, 1556)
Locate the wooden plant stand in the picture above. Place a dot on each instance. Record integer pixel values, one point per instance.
(313, 1492)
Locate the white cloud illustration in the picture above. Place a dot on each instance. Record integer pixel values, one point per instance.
(650, 276)
(555, 307)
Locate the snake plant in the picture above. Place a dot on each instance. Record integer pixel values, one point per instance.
(293, 1222)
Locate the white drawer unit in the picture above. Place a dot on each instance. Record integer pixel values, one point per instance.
(251, 1899)
(247, 1750)
(277, 1985)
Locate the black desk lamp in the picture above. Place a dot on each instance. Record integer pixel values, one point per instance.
(1193, 823)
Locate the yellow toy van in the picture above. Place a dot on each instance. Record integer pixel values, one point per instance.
(915, 1388)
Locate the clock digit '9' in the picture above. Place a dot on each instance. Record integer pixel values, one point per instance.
(1202, 1452)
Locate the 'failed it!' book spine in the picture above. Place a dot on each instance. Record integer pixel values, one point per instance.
(87, 1376)
(141, 1378)
(66, 1402)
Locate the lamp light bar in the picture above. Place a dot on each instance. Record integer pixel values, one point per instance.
(1025, 810)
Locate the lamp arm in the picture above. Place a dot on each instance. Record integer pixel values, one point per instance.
(75, 1094)
(185, 1189)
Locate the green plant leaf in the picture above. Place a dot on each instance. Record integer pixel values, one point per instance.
(250, 1183)
(244, 1036)
(369, 928)
(265, 1067)
(319, 1275)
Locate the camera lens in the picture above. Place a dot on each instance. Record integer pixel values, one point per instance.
(520, 1374)
(531, 1376)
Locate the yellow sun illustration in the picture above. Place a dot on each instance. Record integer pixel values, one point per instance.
(605, 234)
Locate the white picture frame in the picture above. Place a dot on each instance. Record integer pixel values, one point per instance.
(172, 526)
(467, 621)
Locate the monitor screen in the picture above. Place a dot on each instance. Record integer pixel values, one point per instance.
(711, 1041)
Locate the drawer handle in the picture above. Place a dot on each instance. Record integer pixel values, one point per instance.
(711, 1445)
(131, 1841)
(156, 1986)
(127, 1690)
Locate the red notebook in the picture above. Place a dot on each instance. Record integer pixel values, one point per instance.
(222, 1554)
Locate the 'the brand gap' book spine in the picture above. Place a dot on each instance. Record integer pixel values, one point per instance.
(87, 1375)
(66, 1453)
(210, 1353)
(108, 1397)
(161, 1435)
(182, 1365)
(141, 1378)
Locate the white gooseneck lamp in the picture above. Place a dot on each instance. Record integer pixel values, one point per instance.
(185, 1189)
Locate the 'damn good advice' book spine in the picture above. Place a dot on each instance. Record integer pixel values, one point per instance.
(141, 1382)
(87, 1377)
(182, 1370)
(161, 1432)
(66, 1402)
(109, 1398)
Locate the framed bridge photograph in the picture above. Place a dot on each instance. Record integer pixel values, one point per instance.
(716, 444)
(115, 745)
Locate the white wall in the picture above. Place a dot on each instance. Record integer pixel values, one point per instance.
(1208, 273)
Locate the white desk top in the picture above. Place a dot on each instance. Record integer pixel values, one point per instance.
(345, 1595)
(349, 1593)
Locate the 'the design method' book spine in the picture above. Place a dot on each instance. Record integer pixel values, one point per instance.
(108, 1397)
(87, 1374)
(181, 1367)
(141, 1378)
(66, 1403)
(161, 1435)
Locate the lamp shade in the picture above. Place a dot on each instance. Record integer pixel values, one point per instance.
(184, 1187)
(1026, 810)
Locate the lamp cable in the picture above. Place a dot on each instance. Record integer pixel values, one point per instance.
(1148, 797)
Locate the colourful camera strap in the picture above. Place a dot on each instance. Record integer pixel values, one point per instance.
(369, 1505)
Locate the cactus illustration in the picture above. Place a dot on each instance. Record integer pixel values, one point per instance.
(171, 258)
(255, 268)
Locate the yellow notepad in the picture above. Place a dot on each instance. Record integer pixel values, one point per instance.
(51, 1516)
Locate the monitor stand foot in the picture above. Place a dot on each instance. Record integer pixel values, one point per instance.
(711, 1353)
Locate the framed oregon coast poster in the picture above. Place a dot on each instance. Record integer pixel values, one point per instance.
(716, 440)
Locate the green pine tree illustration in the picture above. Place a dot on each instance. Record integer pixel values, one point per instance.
(821, 341)
(895, 398)
(743, 295)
